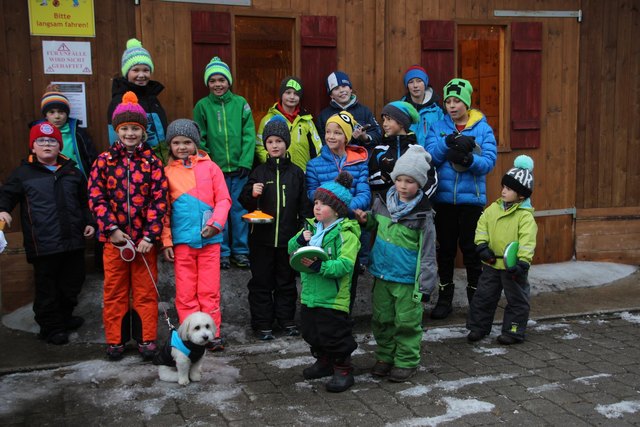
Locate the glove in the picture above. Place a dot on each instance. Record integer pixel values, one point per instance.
(243, 172)
(316, 266)
(460, 142)
(519, 270)
(301, 240)
(459, 158)
(486, 254)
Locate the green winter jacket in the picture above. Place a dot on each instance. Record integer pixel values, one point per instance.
(498, 228)
(330, 287)
(305, 141)
(227, 130)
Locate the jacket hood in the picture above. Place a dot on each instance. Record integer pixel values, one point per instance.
(195, 158)
(430, 98)
(121, 85)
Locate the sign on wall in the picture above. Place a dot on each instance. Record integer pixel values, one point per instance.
(67, 18)
(77, 96)
(62, 57)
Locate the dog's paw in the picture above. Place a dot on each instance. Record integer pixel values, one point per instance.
(183, 381)
(195, 376)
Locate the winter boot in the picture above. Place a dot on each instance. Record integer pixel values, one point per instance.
(320, 369)
(342, 377)
(471, 290)
(445, 296)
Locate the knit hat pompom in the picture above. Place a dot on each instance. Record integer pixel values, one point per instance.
(461, 89)
(416, 72)
(134, 55)
(183, 127)
(337, 194)
(402, 112)
(53, 98)
(216, 66)
(414, 163)
(291, 82)
(520, 177)
(277, 126)
(44, 129)
(345, 120)
(129, 112)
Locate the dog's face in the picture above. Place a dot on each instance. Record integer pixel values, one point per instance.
(198, 328)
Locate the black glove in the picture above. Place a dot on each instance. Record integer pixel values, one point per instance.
(243, 172)
(316, 266)
(460, 142)
(460, 158)
(301, 240)
(519, 270)
(486, 254)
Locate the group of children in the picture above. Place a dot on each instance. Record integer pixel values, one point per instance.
(187, 185)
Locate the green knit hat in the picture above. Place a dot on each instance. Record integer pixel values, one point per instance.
(216, 66)
(135, 54)
(461, 89)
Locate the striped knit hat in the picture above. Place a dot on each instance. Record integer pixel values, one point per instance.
(336, 194)
(135, 54)
(216, 66)
(52, 98)
(129, 112)
(402, 112)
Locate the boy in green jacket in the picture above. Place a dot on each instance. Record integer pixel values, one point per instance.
(508, 219)
(324, 314)
(228, 134)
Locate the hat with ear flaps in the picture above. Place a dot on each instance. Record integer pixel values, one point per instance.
(520, 177)
(336, 194)
(129, 112)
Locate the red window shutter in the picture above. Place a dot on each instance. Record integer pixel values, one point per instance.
(437, 49)
(319, 57)
(210, 36)
(526, 84)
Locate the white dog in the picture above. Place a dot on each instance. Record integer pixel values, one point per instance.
(180, 360)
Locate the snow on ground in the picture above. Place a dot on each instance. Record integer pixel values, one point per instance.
(544, 387)
(617, 410)
(569, 336)
(490, 351)
(456, 409)
(632, 318)
(574, 274)
(421, 390)
(591, 378)
(439, 334)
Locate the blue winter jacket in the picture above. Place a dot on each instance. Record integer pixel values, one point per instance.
(468, 187)
(430, 112)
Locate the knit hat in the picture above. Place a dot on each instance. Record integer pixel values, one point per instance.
(520, 177)
(52, 98)
(47, 130)
(129, 112)
(336, 194)
(277, 126)
(402, 112)
(337, 78)
(291, 82)
(416, 72)
(414, 163)
(134, 55)
(216, 66)
(183, 127)
(345, 120)
(461, 89)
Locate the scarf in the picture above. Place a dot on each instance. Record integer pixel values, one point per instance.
(397, 208)
(321, 230)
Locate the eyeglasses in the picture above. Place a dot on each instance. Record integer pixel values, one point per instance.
(46, 142)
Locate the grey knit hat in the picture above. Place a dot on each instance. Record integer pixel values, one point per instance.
(277, 126)
(414, 163)
(183, 127)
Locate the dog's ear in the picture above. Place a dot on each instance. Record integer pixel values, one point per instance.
(183, 330)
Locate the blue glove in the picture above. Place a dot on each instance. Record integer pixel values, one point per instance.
(519, 270)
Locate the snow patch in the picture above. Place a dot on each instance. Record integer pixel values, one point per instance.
(544, 387)
(588, 380)
(456, 409)
(550, 326)
(290, 363)
(570, 336)
(439, 334)
(421, 390)
(575, 274)
(631, 318)
(617, 410)
(487, 351)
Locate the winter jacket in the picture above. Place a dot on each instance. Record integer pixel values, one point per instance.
(284, 197)
(198, 196)
(227, 130)
(148, 99)
(164, 358)
(396, 251)
(326, 167)
(468, 187)
(383, 159)
(330, 287)
(359, 112)
(305, 141)
(53, 206)
(430, 111)
(129, 192)
(498, 228)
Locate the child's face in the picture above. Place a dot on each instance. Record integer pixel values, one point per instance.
(139, 74)
(391, 127)
(508, 195)
(324, 213)
(182, 147)
(276, 147)
(290, 98)
(416, 89)
(56, 117)
(406, 187)
(341, 94)
(130, 135)
(334, 137)
(456, 109)
(46, 150)
(218, 84)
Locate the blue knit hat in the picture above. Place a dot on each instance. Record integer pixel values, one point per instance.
(336, 194)
(416, 72)
(134, 55)
(216, 66)
(402, 112)
(337, 78)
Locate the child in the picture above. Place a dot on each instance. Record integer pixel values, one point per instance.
(128, 196)
(463, 149)
(278, 188)
(305, 141)
(424, 99)
(508, 219)
(229, 135)
(326, 325)
(137, 67)
(342, 97)
(398, 117)
(55, 221)
(198, 206)
(403, 264)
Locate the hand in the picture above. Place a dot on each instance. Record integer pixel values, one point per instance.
(519, 270)
(89, 231)
(459, 158)
(486, 254)
(361, 216)
(307, 235)
(6, 217)
(257, 190)
(464, 143)
(360, 134)
(243, 172)
(144, 247)
(209, 231)
(168, 254)
(118, 237)
(313, 263)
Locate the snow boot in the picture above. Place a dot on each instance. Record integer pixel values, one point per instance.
(320, 369)
(471, 290)
(342, 377)
(445, 296)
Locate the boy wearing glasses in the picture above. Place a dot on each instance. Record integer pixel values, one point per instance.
(55, 217)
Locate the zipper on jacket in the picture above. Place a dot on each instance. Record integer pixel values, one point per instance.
(455, 188)
(277, 219)
(129, 193)
(226, 137)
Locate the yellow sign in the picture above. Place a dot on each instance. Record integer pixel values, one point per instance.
(67, 18)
